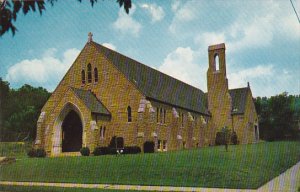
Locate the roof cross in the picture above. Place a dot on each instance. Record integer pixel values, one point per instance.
(90, 39)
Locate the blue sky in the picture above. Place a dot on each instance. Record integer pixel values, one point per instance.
(262, 41)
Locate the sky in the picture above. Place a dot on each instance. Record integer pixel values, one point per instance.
(262, 41)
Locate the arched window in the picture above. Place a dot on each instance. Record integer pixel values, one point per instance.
(161, 114)
(217, 64)
(89, 73)
(157, 114)
(96, 74)
(83, 76)
(129, 114)
(164, 116)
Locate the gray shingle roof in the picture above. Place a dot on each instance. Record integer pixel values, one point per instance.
(91, 101)
(156, 85)
(239, 98)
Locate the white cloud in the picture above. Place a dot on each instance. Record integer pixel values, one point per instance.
(265, 80)
(110, 46)
(175, 5)
(209, 38)
(157, 13)
(182, 65)
(183, 13)
(45, 71)
(126, 24)
(241, 77)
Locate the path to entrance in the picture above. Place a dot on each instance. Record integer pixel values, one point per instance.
(288, 181)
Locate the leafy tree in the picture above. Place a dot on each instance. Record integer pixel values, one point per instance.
(9, 10)
(278, 116)
(227, 136)
(20, 111)
(4, 91)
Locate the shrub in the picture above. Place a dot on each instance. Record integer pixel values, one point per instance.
(220, 139)
(101, 151)
(40, 153)
(132, 150)
(149, 147)
(37, 152)
(234, 139)
(31, 153)
(97, 151)
(85, 151)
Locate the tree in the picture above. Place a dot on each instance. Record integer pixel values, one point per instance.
(20, 110)
(278, 116)
(4, 91)
(9, 10)
(226, 132)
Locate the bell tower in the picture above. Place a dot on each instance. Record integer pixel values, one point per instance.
(219, 99)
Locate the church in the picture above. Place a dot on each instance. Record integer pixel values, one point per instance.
(105, 94)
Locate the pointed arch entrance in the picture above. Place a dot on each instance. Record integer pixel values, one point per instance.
(71, 133)
(68, 130)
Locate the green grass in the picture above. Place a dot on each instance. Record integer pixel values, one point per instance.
(14, 149)
(244, 166)
(52, 189)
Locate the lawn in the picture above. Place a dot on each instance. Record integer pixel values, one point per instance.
(244, 166)
(14, 149)
(53, 189)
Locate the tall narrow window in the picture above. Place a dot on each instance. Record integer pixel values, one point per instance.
(164, 145)
(217, 62)
(164, 116)
(104, 130)
(182, 118)
(159, 145)
(161, 113)
(101, 132)
(157, 114)
(96, 74)
(89, 73)
(83, 76)
(129, 114)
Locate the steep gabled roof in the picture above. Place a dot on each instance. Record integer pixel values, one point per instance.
(239, 99)
(91, 101)
(156, 85)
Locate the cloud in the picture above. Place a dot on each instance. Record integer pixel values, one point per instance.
(183, 14)
(209, 38)
(265, 80)
(46, 71)
(241, 77)
(175, 5)
(126, 24)
(157, 13)
(181, 64)
(110, 46)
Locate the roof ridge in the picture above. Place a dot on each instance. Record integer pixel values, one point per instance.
(238, 88)
(149, 67)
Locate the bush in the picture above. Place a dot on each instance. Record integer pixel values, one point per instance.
(102, 151)
(234, 138)
(149, 147)
(97, 151)
(85, 151)
(40, 153)
(31, 153)
(37, 152)
(132, 150)
(220, 139)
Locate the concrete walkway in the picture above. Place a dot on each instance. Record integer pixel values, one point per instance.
(288, 181)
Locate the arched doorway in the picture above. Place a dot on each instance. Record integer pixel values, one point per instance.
(71, 132)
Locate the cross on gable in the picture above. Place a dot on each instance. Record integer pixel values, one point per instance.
(90, 39)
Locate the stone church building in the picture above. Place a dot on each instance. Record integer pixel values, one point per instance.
(106, 94)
